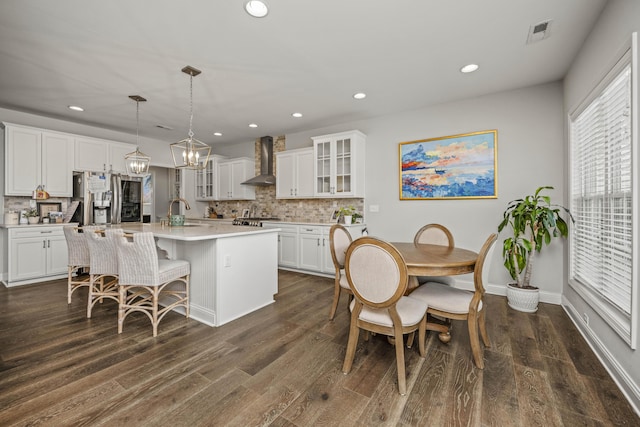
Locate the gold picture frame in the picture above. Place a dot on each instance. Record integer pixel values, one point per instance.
(460, 166)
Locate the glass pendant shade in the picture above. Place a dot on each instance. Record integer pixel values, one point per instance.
(137, 163)
(190, 153)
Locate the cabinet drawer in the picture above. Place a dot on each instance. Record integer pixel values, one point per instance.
(15, 233)
(307, 229)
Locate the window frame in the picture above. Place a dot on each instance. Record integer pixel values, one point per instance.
(626, 326)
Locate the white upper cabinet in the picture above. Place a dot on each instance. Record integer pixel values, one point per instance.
(232, 173)
(91, 154)
(117, 151)
(339, 164)
(206, 180)
(36, 157)
(294, 174)
(99, 155)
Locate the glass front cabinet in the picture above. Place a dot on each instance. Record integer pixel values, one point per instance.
(206, 180)
(339, 164)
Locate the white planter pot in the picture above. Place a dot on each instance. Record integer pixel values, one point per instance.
(33, 219)
(525, 300)
(347, 220)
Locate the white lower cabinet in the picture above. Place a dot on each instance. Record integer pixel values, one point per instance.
(35, 253)
(306, 248)
(310, 248)
(288, 249)
(327, 260)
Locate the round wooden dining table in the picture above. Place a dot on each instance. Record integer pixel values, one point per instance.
(435, 260)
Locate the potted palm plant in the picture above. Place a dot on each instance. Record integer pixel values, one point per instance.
(534, 221)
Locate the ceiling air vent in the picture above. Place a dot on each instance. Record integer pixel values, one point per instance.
(539, 31)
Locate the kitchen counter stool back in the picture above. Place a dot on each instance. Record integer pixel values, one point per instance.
(78, 258)
(103, 270)
(339, 241)
(145, 279)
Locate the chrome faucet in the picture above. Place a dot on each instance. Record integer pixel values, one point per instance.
(179, 199)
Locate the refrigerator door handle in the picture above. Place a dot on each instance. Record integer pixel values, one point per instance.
(116, 209)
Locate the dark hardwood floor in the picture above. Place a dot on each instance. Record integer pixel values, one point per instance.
(281, 366)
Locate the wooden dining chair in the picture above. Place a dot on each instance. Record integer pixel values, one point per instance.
(144, 280)
(339, 241)
(103, 267)
(459, 304)
(377, 275)
(78, 260)
(435, 234)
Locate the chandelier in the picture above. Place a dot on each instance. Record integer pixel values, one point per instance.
(137, 163)
(190, 153)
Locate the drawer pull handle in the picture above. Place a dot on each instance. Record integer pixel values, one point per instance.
(46, 232)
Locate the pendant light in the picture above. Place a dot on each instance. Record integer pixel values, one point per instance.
(137, 163)
(190, 153)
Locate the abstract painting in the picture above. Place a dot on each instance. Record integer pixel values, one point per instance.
(450, 167)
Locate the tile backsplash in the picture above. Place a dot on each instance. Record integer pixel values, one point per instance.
(16, 204)
(296, 210)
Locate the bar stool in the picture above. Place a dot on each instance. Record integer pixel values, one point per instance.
(103, 269)
(144, 280)
(78, 257)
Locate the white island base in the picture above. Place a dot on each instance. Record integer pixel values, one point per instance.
(234, 269)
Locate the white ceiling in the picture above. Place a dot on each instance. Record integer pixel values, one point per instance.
(305, 56)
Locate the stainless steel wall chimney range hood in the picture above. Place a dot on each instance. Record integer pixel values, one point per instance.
(266, 176)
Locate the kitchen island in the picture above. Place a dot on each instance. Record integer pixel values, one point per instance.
(234, 269)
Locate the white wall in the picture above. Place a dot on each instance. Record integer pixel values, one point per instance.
(530, 154)
(614, 27)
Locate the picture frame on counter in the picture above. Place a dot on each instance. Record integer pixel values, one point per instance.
(45, 208)
(245, 213)
(335, 216)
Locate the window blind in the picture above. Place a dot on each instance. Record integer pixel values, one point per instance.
(601, 250)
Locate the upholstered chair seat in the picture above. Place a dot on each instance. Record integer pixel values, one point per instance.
(378, 278)
(454, 303)
(339, 241)
(435, 234)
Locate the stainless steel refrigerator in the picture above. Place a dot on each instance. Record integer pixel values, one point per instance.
(105, 198)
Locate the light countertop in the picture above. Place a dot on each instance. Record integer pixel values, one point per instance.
(52, 224)
(313, 223)
(195, 232)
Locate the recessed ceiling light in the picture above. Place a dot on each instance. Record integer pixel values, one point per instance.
(253, 125)
(360, 95)
(470, 68)
(217, 134)
(75, 108)
(256, 8)
(297, 114)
